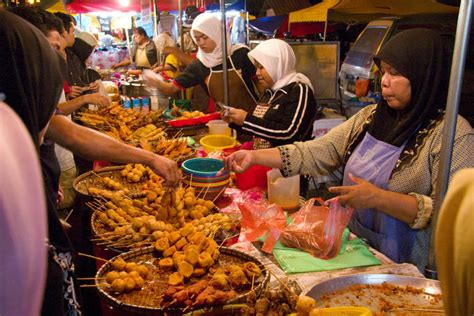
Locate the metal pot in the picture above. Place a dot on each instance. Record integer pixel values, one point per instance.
(135, 89)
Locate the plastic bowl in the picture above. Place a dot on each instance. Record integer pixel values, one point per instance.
(202, 167)
(212, 143)
(201, 173)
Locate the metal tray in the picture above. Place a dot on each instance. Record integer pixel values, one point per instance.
(427, 297)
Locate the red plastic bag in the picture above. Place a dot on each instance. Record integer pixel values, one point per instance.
(317, 228)
(259, 220)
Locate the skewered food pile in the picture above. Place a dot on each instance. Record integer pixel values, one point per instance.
(216, 286)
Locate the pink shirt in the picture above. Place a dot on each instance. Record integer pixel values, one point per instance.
(23, 220)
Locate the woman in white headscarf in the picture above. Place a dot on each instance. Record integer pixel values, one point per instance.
(286, 110)
(207, 69)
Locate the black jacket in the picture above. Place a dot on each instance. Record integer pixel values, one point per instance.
(289, 118)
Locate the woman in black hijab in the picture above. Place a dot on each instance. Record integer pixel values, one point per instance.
(30, 78)
(389, 151)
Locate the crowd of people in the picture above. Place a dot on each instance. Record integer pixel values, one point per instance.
(390, 151)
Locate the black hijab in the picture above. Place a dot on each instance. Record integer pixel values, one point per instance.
(29, 72)
(420, 56)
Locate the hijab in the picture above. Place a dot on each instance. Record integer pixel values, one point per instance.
(420, 56)
(211, 26)
(161, 41)
(30, 76)
(278, 59)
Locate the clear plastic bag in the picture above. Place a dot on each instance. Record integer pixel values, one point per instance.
(317, 228)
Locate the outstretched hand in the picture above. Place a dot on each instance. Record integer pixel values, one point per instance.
(239, 161)
(361, 195)
(166, 168)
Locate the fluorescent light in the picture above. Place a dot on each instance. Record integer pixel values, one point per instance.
(124, 3)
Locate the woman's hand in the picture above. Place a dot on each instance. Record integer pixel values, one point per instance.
(237, 116)
(361, 195)
(74, 92)
(239, 161)
(97, 99)
(166, 168)
(94, 86)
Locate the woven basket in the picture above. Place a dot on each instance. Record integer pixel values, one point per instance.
(91, 179)
(132, 309)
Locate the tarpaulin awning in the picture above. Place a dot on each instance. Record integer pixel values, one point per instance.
(367, 10)
(316, 13)
(86, 6)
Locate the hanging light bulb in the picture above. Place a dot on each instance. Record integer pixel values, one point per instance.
(124, 3)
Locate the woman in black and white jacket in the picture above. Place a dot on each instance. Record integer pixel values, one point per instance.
(286, 110)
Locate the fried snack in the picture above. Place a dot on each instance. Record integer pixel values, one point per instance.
(166, 263)
(185, 269)
(175, 279)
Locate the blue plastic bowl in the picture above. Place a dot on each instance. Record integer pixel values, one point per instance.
(202, 167)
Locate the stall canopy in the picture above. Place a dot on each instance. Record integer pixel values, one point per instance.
(367, 10)
(316, 13)
(85, 6)
(269, 25)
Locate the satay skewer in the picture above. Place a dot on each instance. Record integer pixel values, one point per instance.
(92, 257)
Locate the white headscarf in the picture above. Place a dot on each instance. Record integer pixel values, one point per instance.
(278, 59)
(161, 41)
(210, 25)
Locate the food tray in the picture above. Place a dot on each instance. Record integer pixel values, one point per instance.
(90, 179)
(355, 290)
(144, 255)
(194, 121)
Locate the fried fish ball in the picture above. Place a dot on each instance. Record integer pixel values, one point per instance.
(151, 196)
(112, 276)
(143, 271)
(169, 252)
(252, 270)
(215, 254)
(118, 286)
(181, 243)
(185, 269)
(119, 264)
(156, 235)
(162, 244)
(166, 263)
(219, 281)
(139, 282)
(131, 266)
(129, 284)
(187, 230)
(175, 279)
(191, 255)
(205, 260)
(209, 205)
(304, 305)
(123, 274)
(238, 278)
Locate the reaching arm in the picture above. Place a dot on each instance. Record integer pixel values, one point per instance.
(124, 62)
(168, 88)
(244, 159)
(72, 105)
(86, 142)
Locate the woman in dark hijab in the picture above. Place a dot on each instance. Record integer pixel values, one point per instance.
(31, 80)
(389, 151)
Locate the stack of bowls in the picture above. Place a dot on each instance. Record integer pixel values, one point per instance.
(201, 173)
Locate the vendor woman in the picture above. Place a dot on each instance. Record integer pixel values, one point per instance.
(390, 151)
(207, 69)
(143, 53)
(286, 110)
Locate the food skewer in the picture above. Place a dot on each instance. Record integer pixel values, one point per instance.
(92, 257)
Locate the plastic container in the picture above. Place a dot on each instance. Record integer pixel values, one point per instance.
(201, 173)
(283, 191)
(212, 143)
(255, 176)
(219, 127)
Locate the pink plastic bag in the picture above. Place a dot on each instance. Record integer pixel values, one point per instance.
(259, 220)
(317, 228)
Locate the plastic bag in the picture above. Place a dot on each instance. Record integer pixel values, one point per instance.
(317, 228)
(261, 220)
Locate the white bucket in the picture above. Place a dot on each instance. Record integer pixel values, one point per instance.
(219, 127)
